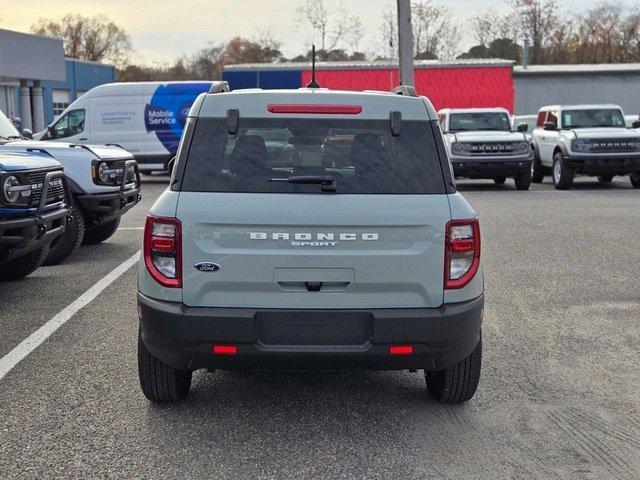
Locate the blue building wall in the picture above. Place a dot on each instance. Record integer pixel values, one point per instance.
(267, 79)
(81, 75)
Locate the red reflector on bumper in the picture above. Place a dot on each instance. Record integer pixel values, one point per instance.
(224, 349)
(401, 350)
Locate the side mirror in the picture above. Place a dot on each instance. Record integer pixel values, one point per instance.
(549, 126)
(523, 127)
(395, 122)
(28, 134)
(635, 124)
(49, 132)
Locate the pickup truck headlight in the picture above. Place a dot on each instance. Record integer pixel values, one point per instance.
(578, 145)
(11, 190)
(105, 173)
(457, 148)
(521, 147)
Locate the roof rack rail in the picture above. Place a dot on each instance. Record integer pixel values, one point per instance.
(406, 90)
(219, 87)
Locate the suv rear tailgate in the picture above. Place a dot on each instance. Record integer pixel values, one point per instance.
(313, 251)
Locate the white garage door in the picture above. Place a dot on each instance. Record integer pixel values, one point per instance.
(60, 101)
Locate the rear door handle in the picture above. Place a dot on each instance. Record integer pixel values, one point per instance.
(83, 139)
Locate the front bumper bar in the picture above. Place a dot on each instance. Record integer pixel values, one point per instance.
(489, 167)
(101, 208)
(269, 339)
(604, 164)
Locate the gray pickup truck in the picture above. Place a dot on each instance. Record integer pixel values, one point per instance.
(311, 229)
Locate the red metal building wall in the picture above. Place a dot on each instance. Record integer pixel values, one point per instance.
(446, 87)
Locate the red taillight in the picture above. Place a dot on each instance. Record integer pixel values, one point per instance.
(317, 109)
(461, 252)
(163, 250)
(224, 349)
(401, 350)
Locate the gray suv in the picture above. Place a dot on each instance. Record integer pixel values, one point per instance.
(311, 229)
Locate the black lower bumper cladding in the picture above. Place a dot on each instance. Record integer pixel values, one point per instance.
(490, 169)
(104, 207)
(273, 339)
(22, 235)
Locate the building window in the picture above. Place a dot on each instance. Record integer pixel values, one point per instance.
(60, 102)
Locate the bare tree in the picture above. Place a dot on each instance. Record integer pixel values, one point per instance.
(88, 38)
(389, 29)
(354, 33)
(485, 26)
(538, 20)
(435, 33)
(330, 21)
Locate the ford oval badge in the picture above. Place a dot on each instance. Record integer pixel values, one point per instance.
(208, 267)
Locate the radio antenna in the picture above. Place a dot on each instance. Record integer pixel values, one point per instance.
(313, 83)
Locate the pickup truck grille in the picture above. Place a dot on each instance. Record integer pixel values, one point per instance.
(55, 192)
(491, 148)
(613, 145)
(119, 165)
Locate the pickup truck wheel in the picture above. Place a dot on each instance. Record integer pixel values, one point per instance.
(69, 241)
(160, 383)
(95, 235)
(22, 266)
(563, 173)
(537, 170)
(635, 179)
(500, 180)
(523, 180)
(605, 178)
(458, 383)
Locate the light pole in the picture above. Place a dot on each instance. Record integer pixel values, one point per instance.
(405, 42)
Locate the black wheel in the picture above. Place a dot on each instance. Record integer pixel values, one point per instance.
(100, 233)
(69, 241)
(458, 383)
(563, 173)
(22, 266)
(160, 383)
(500, 180)
(523, 180)
(635, 179)
(537, 170)
(605, 178)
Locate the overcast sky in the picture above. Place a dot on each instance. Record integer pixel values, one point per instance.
(163, 30)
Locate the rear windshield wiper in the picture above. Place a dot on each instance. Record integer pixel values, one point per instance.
(327, 182)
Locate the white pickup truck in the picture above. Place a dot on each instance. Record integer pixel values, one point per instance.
(584, 139)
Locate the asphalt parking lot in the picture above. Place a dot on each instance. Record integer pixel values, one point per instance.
(558, 397)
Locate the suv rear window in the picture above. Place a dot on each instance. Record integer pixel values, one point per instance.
(361, 156)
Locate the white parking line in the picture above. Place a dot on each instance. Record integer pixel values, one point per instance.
(34, 340)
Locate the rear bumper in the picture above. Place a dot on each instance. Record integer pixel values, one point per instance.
(272, 339)
(604, 165)
(101, 208)
(490, 168)
(23, 235)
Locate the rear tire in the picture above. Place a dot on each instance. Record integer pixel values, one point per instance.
(458, 383)
(635, 179)
(563, 173)
(160, 383)
(22, 266)
(523, 180)
(605, 178)
(100, 233)
(500, 180)
(537, 170)
(69, 241)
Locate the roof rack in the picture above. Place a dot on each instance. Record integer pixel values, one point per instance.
(406, 90)
(219, 87)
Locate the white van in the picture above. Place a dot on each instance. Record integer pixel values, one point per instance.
(144, 118)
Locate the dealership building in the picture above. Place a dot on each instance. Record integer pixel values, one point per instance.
(462, 83)
(37, 82)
